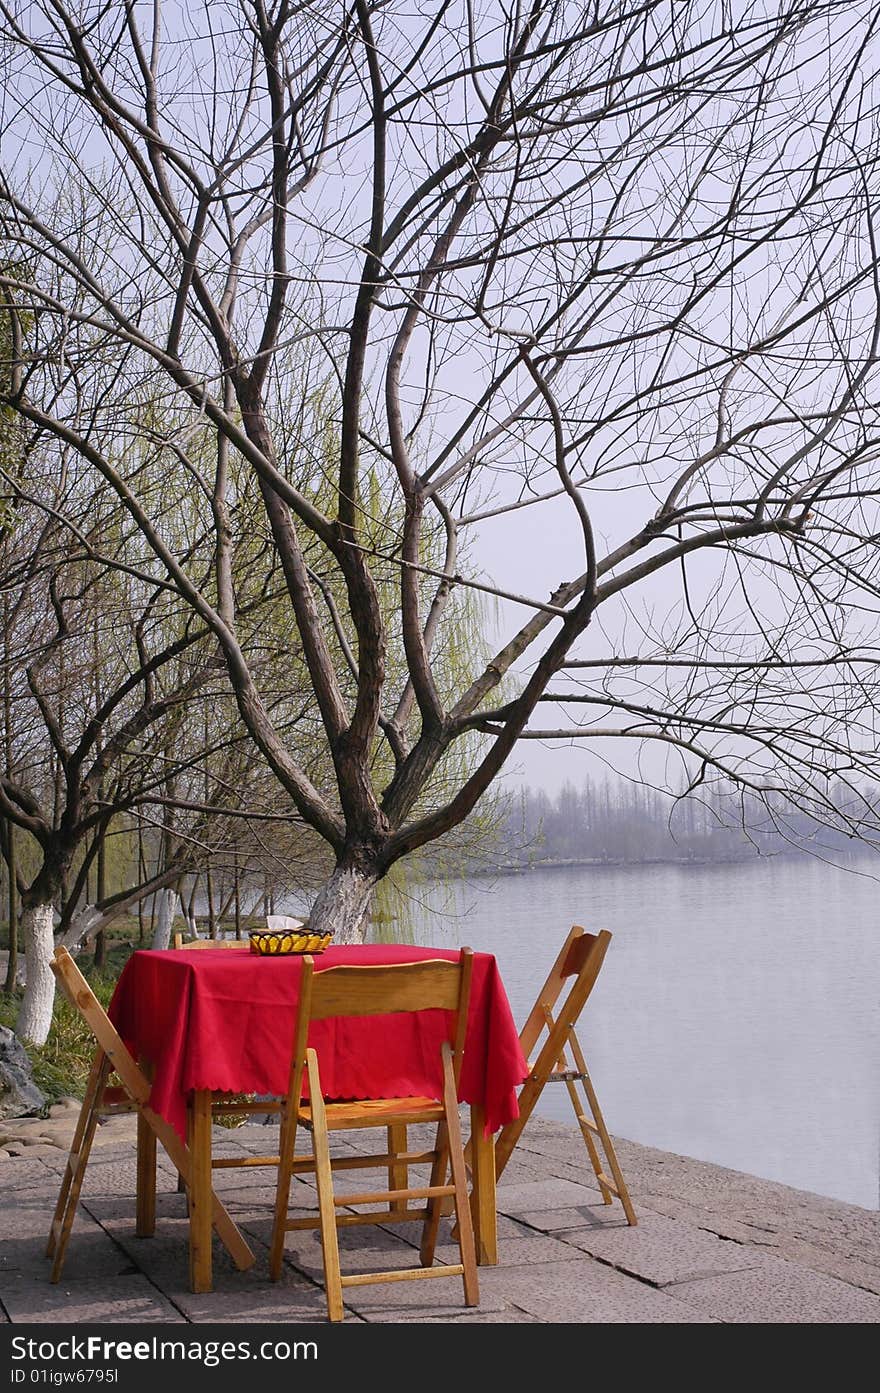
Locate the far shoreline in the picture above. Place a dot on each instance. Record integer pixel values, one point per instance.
(685, 863)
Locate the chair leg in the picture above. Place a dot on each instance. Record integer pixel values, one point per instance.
(97, 1074)
(286, 1148)
(435, 1204)
(65, 1210)
(586, 1124)
(511, 1132)
(597, 1125)
(464, 1221)
(326, 1202)
(398, 1171)
(145, 1213)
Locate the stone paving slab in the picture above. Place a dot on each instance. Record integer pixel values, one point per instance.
(763, 1204)
(238, 1297)
(592, 1214)
(91, 1253)
(376, 1249)
(25, 1230)
(729, 1203)
(465, 1317)
(517, 1246)
(439, 1298)
(711, 1245)
(164, 1258)
(551, 1193)
(287, 1301)
(779, 1292)
(662, 1250)
(585, 1292)
(22, 1172)
(116, 1174)
(839, 1261)
(129, 1300)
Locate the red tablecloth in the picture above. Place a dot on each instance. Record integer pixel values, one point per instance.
(223, 1020)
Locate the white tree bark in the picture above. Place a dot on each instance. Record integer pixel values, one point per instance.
(342, 906)
(35, 1014)
(164, 919)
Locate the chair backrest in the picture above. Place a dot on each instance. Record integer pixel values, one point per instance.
(580, 957)
(181, 942)
(365, 990)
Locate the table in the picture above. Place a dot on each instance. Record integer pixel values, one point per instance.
(222, 1022)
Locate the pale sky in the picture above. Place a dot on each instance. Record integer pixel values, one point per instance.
(529, 552)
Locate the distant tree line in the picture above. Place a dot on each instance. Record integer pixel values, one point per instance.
(613, 820)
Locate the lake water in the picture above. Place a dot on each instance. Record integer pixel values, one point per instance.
(737, 1015)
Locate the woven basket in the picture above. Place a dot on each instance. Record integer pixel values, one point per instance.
(273, 942)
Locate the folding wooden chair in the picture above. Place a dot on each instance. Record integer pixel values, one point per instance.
(361, 991)
(579, 959)
(112, 1057)
(180, 942)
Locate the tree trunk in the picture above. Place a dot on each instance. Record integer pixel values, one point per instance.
(189, 912)
(342, 906)
(142, 875)
(209, 889)
(164, 919)
(100, 896)
(12, 964)
(35, 1014)
(12, 905)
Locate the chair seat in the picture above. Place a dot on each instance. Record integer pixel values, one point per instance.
(375, 1112)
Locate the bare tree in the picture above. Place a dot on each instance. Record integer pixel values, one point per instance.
(116, 719)
(91, 670)
(615, 257)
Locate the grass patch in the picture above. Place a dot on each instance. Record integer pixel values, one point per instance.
(61, 1066)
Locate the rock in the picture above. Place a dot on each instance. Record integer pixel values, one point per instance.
(32, 1150)
(20, 1128)
(19, 1095)
(66, 1107)
(116, 1129)
(55, 1136)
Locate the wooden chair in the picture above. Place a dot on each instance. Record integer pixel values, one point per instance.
(578, 963)
(180, 942)
(132, 1094)
(360, 991)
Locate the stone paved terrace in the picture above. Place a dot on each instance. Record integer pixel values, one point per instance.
(712, 1245)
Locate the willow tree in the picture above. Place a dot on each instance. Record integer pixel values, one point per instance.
(615, 260)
